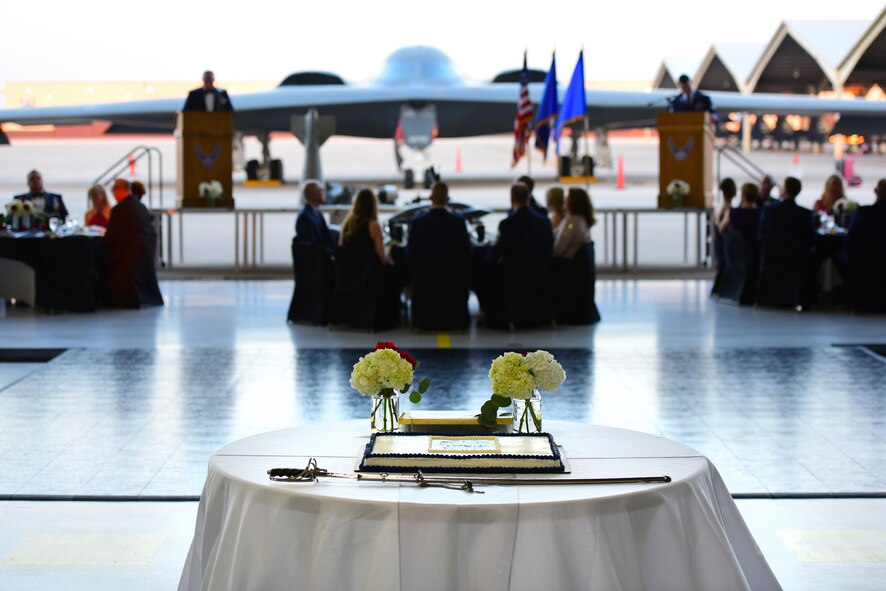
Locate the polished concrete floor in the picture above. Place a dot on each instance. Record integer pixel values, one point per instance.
(140, 399)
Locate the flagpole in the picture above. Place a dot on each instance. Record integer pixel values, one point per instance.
(587, 153)
(528, 160)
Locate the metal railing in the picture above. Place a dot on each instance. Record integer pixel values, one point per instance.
(131, 157)
(740, 160)
(620, 239)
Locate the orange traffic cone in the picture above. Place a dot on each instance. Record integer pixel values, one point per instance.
(458, 160)
(132, 165)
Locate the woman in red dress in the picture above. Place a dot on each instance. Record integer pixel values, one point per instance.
(99, 213)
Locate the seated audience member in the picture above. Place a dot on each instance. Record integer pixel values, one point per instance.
(575, 230)
(438, 232)
(515, 291)
(523, 232)
(786, 218)
(48, 204)
(138, 189)
(745, 218)
(533, 204)
(728, 189)
(130, 278)
(766, 197)
(367, 289)
(438, 256)
(361, 228)
(99, 212)
(310, 226)
(833, 192)
(312, 261)
(554, 200)
(866, 250)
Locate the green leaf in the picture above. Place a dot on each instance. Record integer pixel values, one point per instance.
(415, 398)
(484, 422)
(501, 401)
(406, 388)
(424, 385)
(489, 410)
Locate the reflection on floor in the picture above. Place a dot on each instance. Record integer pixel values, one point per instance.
(144, 421)
(142, 398)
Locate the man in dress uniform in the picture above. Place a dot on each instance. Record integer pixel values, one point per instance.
(208, 97)
(48, 204)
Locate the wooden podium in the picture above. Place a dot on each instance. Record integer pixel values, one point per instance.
(685, 152)
(203, 153)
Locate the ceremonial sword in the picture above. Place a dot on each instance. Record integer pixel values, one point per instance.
(312, 473)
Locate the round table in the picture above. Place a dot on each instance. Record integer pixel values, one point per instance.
(253, 533)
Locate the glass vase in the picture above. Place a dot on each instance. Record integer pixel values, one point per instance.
(527, 414)
(384, 414)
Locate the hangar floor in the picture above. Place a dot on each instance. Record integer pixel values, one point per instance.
(138, 401)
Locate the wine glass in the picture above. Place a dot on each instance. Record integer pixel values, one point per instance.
(54, 223)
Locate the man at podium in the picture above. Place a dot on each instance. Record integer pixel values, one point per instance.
(208, 98)
(688, 100)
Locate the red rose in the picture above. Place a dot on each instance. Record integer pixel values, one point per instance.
(385, 345)
(408, 358)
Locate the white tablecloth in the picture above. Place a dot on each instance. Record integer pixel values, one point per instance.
(252, 533)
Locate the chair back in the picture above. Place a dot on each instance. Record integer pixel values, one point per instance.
(738, 269)
(784, 263)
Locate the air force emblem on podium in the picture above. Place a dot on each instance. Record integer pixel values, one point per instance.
(208, 160)
(681, 154)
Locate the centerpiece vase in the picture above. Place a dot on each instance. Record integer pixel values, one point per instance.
(527, 414)
(384, 415)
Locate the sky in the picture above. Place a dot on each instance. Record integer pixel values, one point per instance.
(166, 40)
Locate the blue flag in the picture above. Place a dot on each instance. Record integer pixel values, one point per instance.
(574, 105)
(547, 109)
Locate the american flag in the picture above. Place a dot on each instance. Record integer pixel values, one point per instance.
(523, 120)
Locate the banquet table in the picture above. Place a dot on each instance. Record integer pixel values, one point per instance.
(252, 533)
(67, 269)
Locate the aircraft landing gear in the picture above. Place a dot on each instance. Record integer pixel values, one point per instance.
(267, 169)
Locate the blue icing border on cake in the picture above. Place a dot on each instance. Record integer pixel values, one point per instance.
(462, 470)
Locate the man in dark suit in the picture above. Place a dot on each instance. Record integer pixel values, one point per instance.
(438, 233)
(786, 218)
(208, 97)
(515, 290)
(438, 257)
(866, 250)
(130, 279)
(765, 197)
(313, 248)
(523, 233)
(533, 204)
(310, 226)
(688, 100)
(48, 204)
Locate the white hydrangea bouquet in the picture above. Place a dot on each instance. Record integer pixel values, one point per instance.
(845, 205)
(381, 374)
(210, 190)
(18, 214)
(518, 378)
(677, 189)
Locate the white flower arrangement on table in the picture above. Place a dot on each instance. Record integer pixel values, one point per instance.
(15, 207)
(381, 372)
(211, 190)
(516, 376)
(677, 189)
(19, 212)
(845, 205)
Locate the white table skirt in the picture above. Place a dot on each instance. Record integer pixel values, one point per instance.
(252, 533)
